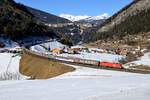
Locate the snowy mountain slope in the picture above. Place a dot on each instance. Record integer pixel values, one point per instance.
(73, 18)
(84, 17)
(8, 43)
(99, 17)
(83, 84)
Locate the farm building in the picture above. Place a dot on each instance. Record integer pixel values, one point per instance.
(96, 50)
(71, 51)
(15, 50)
(78, 48)
(57, 51)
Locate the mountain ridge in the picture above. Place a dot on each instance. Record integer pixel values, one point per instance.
(16, 22)
(132, 19)
(47, 18)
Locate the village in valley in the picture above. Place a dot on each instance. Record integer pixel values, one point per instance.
(106, 52)
(126, 55)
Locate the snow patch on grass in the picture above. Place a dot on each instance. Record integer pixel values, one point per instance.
(143, 61)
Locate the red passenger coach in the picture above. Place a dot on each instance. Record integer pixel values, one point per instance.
(109, 64)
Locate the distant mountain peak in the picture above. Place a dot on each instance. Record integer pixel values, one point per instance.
(84, 17)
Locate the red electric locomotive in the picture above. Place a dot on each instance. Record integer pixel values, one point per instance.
(109, 64)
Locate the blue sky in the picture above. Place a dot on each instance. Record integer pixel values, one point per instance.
(77, 7)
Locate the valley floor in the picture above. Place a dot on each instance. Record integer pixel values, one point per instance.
(82, 84)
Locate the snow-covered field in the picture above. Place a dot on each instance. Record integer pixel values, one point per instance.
(10, 65)
(144, 60)
(6, 60)
(83, 55)
(82, 84)
(95, 56)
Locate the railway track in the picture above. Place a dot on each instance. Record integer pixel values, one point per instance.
(85, 65)
(106, 68)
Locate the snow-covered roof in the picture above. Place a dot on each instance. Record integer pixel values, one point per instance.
(78, 46)
(96, 49)
(38, 48)
(54, 45)
(48, 46)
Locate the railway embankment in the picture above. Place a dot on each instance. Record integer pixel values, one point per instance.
(40, 67)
